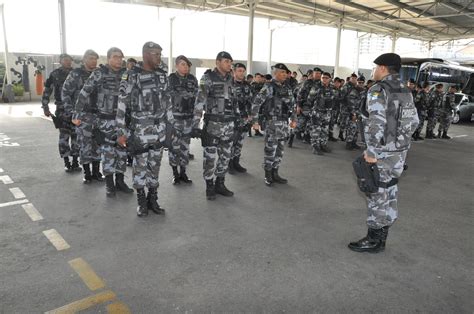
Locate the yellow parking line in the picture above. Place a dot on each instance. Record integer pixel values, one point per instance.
(56, 239)
(32, 212)
(87, 274)
(118, 308)
(85, 303)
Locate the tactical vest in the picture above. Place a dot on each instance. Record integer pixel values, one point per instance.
(325, 99)
(147, 96)
(447, 100)
(219, 100)
(59, 76)
(183, 93)
(108, 91)
(399, 115)
(83, 75)
(242, 95)
(280, 104)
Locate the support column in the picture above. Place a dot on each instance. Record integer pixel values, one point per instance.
(394, 42)
(62, 26)
(338, 49)
(269, 60)
(356, 66)
(250, 36)
(170, 53)
(5, 44)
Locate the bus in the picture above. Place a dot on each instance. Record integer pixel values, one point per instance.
(433, 71)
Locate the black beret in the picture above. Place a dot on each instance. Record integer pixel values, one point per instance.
(224, 55)
(182, 58)
(239, 65)
(388, 59)
(268, 76)
(64, 55)
(354, 75)
(361, 79)
(280, 66)
(316, 69)
(151, 45)
(411, 81)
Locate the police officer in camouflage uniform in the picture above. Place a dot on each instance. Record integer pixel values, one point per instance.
(215, 98)
(303, 108)
(256, 86)
(84, 117)
(350, 103)
(335, 112)
(276, 99)
(322, 102)
(446, 112)
(421, 104)
(68, 145)
(243, 96)
(390, 118)
(104, 84)
(435, 99)
(183, 90)
(144, 115)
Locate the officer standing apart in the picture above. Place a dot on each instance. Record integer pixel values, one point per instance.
(216, 100)
(84, 116)
(435, 99)
(390, 118)
(68, 145)
(446, 112)
(144, 95)
(421, 104)
(183, 88)
(104, 84)
(303, 108)
(276, 99)
(350, 100)
(243, 97)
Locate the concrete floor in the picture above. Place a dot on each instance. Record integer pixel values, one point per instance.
(280, 249)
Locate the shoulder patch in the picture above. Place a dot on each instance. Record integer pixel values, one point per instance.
(125, 76)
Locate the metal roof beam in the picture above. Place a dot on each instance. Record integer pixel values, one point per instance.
(462, 10)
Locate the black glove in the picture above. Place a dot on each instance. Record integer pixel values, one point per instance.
(196, 133)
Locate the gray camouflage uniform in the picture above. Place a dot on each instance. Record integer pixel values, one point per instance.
(446, 112)
(243, 97)
(322, 102)
(434, 103)
(421, 103)
(388, 140)
(304, 118)
(350, 103)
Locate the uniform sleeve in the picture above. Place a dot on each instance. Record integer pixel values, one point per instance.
(302, 94)
(374, 127)
(313, 97)
(89, 87)
(67, 93)
(124, 103)
(259, 100)
(48, 90)
(168, 104)
(201, 99)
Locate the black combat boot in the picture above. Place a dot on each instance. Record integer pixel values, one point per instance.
(152, 202)
(307, 138)
(414, 137)
(120, 184)
(221, 188)
(210, 190)
(231, 168)
(250, 132)
(341, 136)
(142, 209)
(325, 148)
(75, 164)
(445, 136)
(96, 175)
(87, 174)
(291, 139)
(276, 177)
(268, 177)
(109, 185)
(129, 160)
(257, 133)
(355, 146)
(349, 146)
(298, 135)
(176, 178)
(331, 137)
(317, 150)
(418, 136)
(237, 166)
(429, 135)
(439, 135)
(183, 176)
(190, 156)
(373, 242)
(67, 165)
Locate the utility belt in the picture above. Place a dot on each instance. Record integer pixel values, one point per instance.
(91, 110)
(146, 120)
(218, 118)
(276, 118)
(107, 116)
(183, 116)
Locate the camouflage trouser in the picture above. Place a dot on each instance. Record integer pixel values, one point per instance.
(320, 128)
(382, 205)
(89, 149)
(238, 140)
(217, 148)
(303, 122)
(67, 149)
(146, 169)
(422, 118)
(275, 137)
(352, 129)
(179, 155)
(114, 157)
(343, 120)
(445, 119)
(333, 121)
(432, 119)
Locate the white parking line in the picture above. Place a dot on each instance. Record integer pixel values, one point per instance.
(6, 179)
(17, 193)
(32, 212)
(1, 170)
(464, 135)
(56, 239)
(14, 203)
